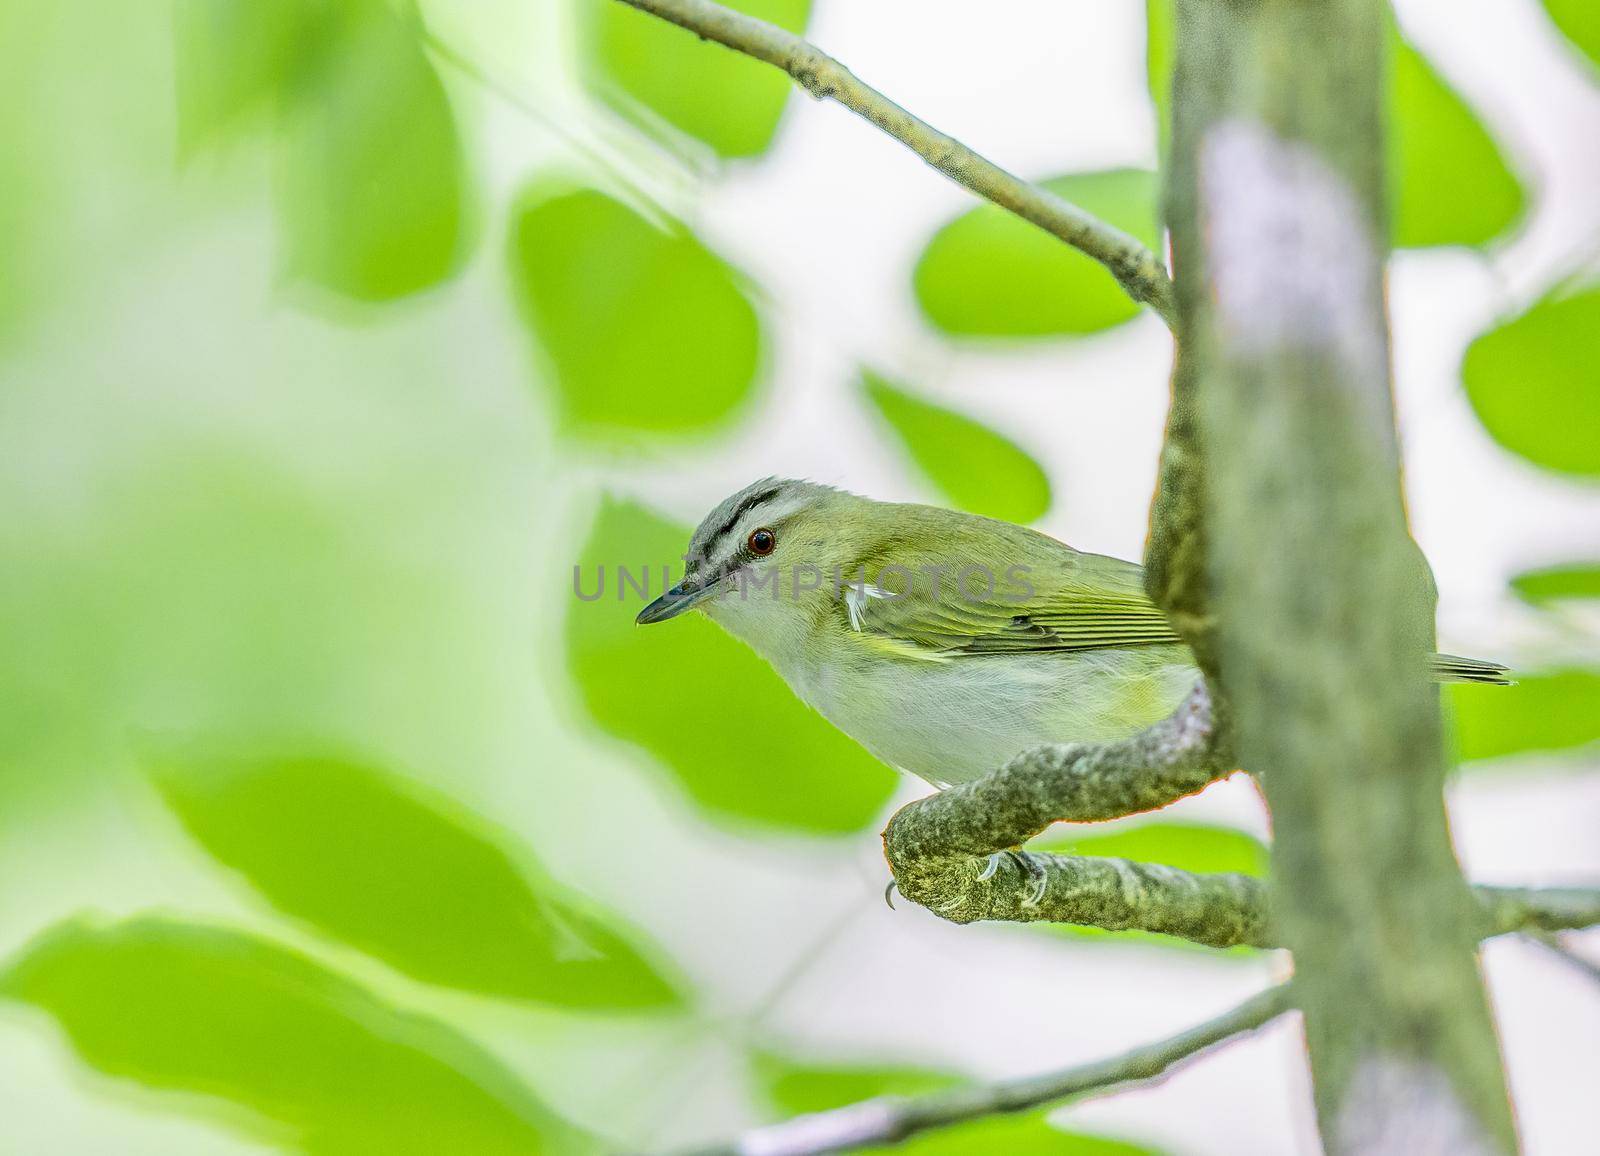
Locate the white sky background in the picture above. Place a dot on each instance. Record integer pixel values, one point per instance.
(830, 223)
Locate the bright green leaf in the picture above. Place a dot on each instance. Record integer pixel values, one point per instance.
(1535, 383)
(646, 329)
(1554, 583)
(1552, 711)
(372, 180)
(989, 273)
(795, 1089)
(1187, 846)
(237, 59)
(973, 467)
(1579, 21)
(404, 875)
(337, 1072)
(717, 716)
(725, 99)
(1450, 183)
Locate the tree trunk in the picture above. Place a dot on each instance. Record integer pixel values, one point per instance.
(1318, 612)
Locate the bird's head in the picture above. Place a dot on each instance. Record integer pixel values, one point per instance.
(776, 543)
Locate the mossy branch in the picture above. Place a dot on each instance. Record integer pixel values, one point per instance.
(1139, 271)
(949, 851)
(890, 1120)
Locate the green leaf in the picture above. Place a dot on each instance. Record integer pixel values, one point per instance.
(646, 329)
(206, 1011)
(795, 1089)
(723, 98)
(1535, 383)
(1551, 711)
(372, 168)
(406, 876)
(1187, 846)
(1554, 583)
(236, 59)
(989, 273)
(1579, 21)
(1450, 185)
(972, 466)
(722, 722)
(1449, 182)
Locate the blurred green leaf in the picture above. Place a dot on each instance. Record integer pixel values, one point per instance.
(989, 273)
(238, 59)
(1554, 583)
(372, 180)
(721, 720)
(1579, 21)
(1550, 711)
(389, 868)
(1534, 381)
(646, 329)
(972, 466)
(203, 1010)
(795, 1089)
(723, 98)
(1188, 846)
(1450, 184)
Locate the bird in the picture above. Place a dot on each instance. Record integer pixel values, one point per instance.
(944, 642)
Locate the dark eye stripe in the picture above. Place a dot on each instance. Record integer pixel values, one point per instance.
(750, 502)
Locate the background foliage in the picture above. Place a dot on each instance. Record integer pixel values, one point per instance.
(335, 334)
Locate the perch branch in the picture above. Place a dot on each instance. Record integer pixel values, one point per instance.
(893, 1119)
(1139, 271)
(942, 848)
(939, 847)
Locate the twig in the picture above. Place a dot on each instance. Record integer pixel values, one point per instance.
(892, 1119)
(1534, 909)
(1139, 271)
(1552, 943)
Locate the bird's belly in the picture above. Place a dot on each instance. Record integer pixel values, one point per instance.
(955, 721)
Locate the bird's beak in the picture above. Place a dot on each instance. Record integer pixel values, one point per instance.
(673, 603)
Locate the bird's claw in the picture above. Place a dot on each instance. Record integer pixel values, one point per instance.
(888, 894)
(1036, 875)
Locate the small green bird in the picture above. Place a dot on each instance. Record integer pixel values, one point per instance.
(943, 642)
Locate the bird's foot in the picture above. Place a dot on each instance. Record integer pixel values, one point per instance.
(1037, 878)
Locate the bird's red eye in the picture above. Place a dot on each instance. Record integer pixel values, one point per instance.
(763, 542)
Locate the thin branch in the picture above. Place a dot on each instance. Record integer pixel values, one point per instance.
(893, 1119)
(1534, 909)
(1139, 271)
(1551, 942)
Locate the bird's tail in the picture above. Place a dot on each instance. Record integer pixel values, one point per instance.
(1449, 668)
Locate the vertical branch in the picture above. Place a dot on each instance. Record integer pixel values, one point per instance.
(1323, 609)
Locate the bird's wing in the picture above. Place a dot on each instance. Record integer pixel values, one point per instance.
(1082, 602)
